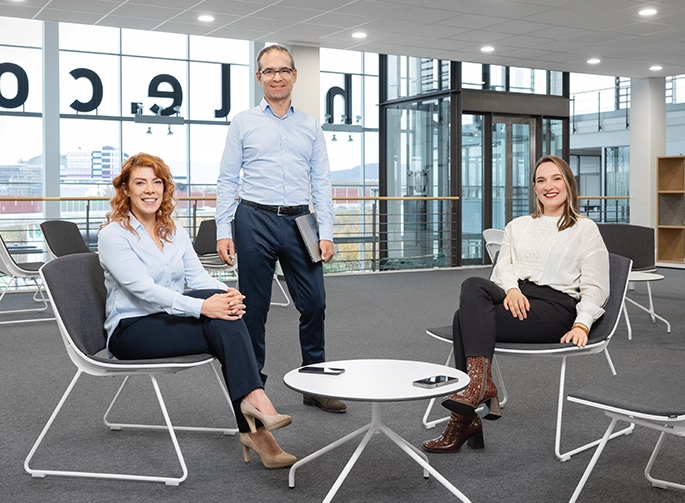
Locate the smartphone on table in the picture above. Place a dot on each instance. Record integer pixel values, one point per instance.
(330, 371)
(435, 381)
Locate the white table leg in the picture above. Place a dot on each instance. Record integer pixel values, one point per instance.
(651, 313)
(375, 426)
(322, 451)
(355, 456)
(411, 451)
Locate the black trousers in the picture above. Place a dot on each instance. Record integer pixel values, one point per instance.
(481, 319)
(261, 238)
(163, 335)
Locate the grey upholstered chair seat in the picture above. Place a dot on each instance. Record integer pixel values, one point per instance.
(183, 360)
(76, 286)
(657, 389)
(652, 396)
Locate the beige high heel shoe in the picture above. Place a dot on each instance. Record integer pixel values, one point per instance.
(270, 422)
(280, 460)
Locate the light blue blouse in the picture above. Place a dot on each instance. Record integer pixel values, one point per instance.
(141, 279)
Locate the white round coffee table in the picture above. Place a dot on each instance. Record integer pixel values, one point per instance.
(375, 381)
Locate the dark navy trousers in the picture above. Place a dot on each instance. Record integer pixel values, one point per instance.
(261, 237)
(163, 335)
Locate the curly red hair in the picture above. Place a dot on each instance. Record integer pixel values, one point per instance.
(121, 203)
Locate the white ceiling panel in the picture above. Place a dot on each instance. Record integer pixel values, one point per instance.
(372, 9)
(99, 6)
(481, 37)
(174, 4)
(473, 21)
(421, 14)
(229, 8)
(548, 32)
(21, 11)
(280, 14)
(71, 16)
(397, 26)
(191, 17)
(147, 12)
(467, 5)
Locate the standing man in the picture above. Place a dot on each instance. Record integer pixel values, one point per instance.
(282, 154)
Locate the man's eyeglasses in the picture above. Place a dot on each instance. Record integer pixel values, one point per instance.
(270, 72)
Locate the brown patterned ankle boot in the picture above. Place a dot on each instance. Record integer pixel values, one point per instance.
(480, 390)
(459, 429)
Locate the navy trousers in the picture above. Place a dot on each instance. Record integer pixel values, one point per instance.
(481, 319)
(163, 335)
(262, 237)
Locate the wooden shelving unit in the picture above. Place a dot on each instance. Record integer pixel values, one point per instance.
(671, 209)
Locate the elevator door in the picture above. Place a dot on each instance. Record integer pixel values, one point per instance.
(513, 141)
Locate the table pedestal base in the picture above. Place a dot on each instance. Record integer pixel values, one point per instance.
(375, 426)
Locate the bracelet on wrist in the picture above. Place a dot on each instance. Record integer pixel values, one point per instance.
(582, 327)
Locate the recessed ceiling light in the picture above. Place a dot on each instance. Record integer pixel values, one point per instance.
(656, 68)
(359, 34)
(205, 18)
(647, 12)
(594, 61)
(487, 48)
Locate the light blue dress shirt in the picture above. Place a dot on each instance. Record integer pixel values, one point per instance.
(141, 279)
(281, 159)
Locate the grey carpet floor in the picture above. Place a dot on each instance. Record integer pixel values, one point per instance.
(368, 316)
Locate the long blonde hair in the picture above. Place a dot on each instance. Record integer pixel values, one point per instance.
(571, 214)
(121, 203)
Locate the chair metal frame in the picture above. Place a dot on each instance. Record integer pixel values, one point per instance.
(28, 271)
(563, 352)
(210, 260)
(667, 425)
(100, 368)
(493, 241)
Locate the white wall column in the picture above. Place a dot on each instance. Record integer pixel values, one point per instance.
(307, 91)
(256, 92)
(51, 143)
(647, 141)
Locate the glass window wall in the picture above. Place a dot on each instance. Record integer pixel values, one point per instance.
(409, 76)
(471, 188)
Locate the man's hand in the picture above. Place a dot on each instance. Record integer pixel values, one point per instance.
(516, 303)
(226, 250)
(326, 249)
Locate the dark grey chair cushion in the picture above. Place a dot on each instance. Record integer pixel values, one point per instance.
(632, 241)
(63, 237)
(205, 240)
(76, 285)
(658, 389)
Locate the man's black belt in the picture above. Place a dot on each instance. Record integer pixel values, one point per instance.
(281, 211)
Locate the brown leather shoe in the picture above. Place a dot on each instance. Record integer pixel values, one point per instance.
(325, 404)
(480, 390)
(459, 430)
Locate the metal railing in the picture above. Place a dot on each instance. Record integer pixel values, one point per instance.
(370, 233)
(606, 209)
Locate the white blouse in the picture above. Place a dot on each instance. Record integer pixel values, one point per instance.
(574, 261)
